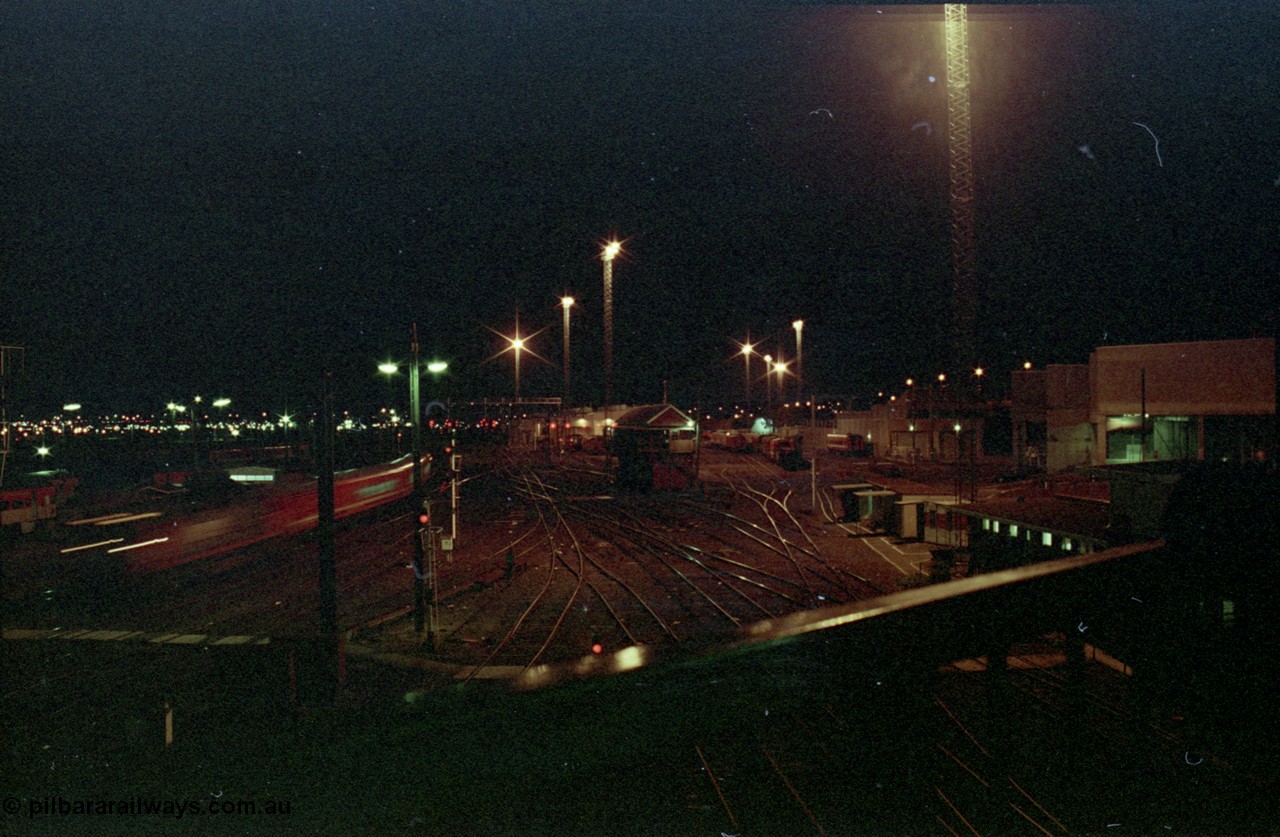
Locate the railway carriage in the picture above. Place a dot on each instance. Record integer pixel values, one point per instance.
(288, 509)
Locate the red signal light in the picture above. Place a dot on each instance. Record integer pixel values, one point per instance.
(424, 519)
(597, 647)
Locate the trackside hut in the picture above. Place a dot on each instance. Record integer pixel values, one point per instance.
(656, 446)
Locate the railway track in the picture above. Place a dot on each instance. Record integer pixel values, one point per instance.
(609, 571)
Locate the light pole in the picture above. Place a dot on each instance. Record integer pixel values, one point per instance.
(607, 255)
(390, 368)
(419, 556)
(174, 408)
(517, 346)
(222, 404)
(746, 378)
(768, 382)
(798, 325)
(68, 422)
(566, 303)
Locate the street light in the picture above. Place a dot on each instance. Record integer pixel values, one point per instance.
(746, 379)
(607, 255)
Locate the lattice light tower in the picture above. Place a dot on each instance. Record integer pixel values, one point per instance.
(964, 292)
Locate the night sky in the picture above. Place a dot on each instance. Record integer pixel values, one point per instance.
(227, 198)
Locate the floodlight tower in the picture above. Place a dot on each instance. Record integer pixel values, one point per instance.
(566, 302)
(956, 26)
(607, 255)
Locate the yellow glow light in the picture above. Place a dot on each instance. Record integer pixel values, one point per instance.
(611, 250)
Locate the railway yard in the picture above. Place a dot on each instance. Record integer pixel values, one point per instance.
(199, 682)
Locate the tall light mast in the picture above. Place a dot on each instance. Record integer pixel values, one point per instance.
(607, 254)
(566, 302)
(964, 292)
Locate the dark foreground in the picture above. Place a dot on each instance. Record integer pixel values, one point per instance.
(695, 747)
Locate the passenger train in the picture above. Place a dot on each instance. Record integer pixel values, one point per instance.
(158, 543)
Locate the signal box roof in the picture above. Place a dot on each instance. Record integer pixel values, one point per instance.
(653, 417)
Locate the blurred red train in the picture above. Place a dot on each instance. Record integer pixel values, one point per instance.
(160, 543)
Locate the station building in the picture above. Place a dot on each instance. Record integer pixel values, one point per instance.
(1180, 402)
(1117, 438)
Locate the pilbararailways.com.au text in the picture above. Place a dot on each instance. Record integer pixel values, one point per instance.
(138, 806)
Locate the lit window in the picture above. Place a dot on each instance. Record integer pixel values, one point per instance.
(986, 525)
(1066, 544)
(995, 526)
(1046, 539)
(1013, 530)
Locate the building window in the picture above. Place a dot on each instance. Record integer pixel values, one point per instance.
(986, 524)
(1046, 539)
(1066, 544)
(1130, 439)
(995, 526)
(1013, 530)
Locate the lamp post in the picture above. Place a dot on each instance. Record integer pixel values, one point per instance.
(222, 404)
(798, 325)
(390, 368)
(566, 303)
(68, 422)
(415, 417)
(174, 408)
(746, 377)
(768, 382)
(436, 368)
(607, 255)
(517, 346)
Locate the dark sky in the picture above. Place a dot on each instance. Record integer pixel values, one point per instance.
(228, 197)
